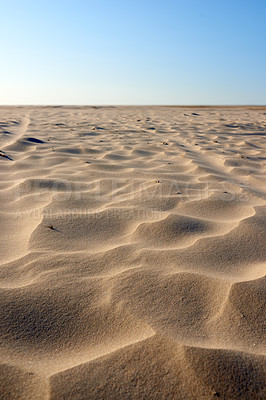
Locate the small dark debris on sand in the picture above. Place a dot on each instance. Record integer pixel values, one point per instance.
(53, 228)
(2, 154)
(165, 143)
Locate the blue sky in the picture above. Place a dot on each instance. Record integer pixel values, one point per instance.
(133, 52)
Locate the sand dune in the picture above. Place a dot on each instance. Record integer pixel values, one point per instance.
(132, 252)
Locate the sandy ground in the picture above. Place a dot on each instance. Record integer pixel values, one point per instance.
(132, 251)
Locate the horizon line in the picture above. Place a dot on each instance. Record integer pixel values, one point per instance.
(134, 105)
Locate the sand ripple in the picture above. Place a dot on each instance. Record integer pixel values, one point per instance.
(132, 253)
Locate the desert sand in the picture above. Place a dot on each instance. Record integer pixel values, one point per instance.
(132, 251)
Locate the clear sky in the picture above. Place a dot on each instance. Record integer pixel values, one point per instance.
(133, 52)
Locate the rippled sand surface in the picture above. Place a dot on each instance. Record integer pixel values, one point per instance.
(132, 251)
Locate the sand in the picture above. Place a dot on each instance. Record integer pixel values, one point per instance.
(132, 251)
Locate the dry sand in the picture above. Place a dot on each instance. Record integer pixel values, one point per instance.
(132, 250)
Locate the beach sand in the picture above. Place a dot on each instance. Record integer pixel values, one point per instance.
(132, 251)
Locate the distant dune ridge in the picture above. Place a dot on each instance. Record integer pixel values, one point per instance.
(132, 251)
